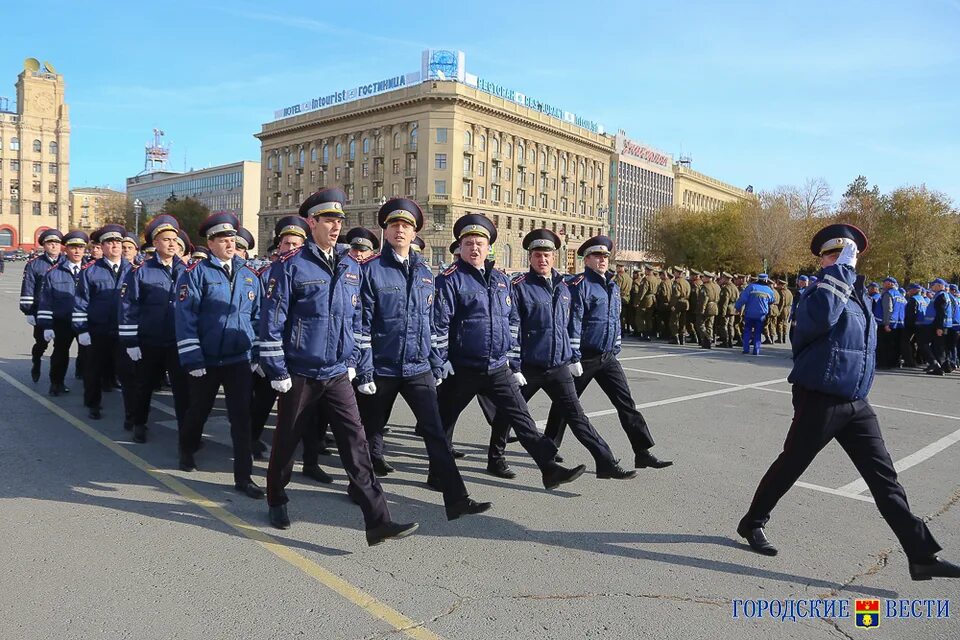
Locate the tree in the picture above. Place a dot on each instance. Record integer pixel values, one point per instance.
(189, 212)
(117, 210)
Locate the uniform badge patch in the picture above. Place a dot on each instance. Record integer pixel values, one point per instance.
(184, 292)
(270, 287)
(429, 299)
(508, 301)
(354, 299)
(251, 295)
(248, 280)
(123, 290)
(427, 280)
(352, 278)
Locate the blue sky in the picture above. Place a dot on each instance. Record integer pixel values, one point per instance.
(761, 93)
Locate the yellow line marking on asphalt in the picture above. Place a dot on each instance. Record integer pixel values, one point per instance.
(357, 596)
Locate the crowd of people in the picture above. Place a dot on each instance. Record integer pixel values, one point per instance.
(337, 327)
(919, 326)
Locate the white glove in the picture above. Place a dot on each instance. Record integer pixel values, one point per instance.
(576, 369)
(32, 321)
(520, 379)
(447, 369)
(48, 334)
(134, 353)
(198, 373)
(848, 255)
(351, 373)
(84, 339)
(282, 386)
(260, 372)
(438, 382)
(368, 389)
(254, 366)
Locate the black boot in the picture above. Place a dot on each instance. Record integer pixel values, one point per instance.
(933, 568)
(35, 371)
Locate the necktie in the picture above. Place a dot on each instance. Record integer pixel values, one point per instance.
(226, 268)
(116, 269)
(76, 270)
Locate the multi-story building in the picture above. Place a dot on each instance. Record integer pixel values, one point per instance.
(641, 183)
(698, 191)
(92, 207)
(231, 187)
(455, 147)
(34, 157)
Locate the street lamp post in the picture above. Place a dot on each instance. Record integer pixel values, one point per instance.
(137, 210)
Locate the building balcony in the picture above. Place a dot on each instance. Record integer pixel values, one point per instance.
(468, 149)
(411, 147)
(378, 153)
(410, 172)
(468, 174)
(521, 162)
(495, 156)
(439, 197)
(378, 176)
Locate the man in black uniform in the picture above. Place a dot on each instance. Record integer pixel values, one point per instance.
(33, 274)
(829, 400)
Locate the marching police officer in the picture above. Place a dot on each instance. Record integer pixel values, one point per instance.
(30, 289)
(543, 358)
(889, 312)
(217, 310)
(55, 308)
(95, 319)
(909, 336)
(397, 326)
(595, 341)
(148, 324)
(755, 300)
(472, 317)
(829, 399)
(310, 340)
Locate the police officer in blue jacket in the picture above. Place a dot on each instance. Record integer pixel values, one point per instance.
(217, 312)
(245, 244)
(910, 336)
(954, 332)
(473, 319)
(95, 318)
(363, 243)
(542, 354)
(755, 300)
(147, 324)
(33, 273)
(594, 328)
(55, 309)
(891, 307)
(396, 297)
(833, 369)
(310, 340)
(933, 327)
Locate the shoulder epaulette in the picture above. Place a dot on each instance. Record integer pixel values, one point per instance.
(520, 278)
(33, 258)
(290, 254)
(450, 269)
(575, 279)
(369, 258)
(191, 267)
(53, 267)
(88, 265)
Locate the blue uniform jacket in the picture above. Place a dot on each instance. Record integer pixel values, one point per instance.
(33, 273)
(310, 324)
(397, 318)
(148, 304)
(594, 314)
(475, 312)
(916, 309)
(216, 316)
(835, 340)
(956, 311)
(756, 298)
(98, 297)
(543, 312)
(57, 295)
(938, 312)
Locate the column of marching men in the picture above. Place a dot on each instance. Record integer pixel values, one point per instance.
(332, 334)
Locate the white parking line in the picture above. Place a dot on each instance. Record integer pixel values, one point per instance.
(835, 492)
(666, 355)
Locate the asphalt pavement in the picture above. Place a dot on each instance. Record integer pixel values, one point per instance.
(105, 538)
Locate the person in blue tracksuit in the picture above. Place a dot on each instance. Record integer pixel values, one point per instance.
(55, 308)
(396, 299)
(147, 324)
(543, 356)
(594, 327)
(475, 321)
(755, 300)
(310, 339)
(833, 369)
(95, 320)
(216, 315)
(33, 274)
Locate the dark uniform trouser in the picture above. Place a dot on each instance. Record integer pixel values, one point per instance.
(608, 372)
(499, 387)
(63, 336)
(264, 397)
(931, 346)
(818, 418)
(100, 362)
(908, 346)
(705, 329)
(727, 330)
(558, 383)
(39, 345)
(953, 336)
(888, 346)
(148, 372)
(236, 382)
(335, 399)
(420, 392)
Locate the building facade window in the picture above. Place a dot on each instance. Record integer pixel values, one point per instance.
(14, 144)
(440, 187)
(396, 166)
(366, 145)
(467, 138)
(53, 148)
(396, 141)
(36, 208)
(338, 151)
(440, 161)
(52, 168)
(481, 143)
(37, 146)
(441, 135)
(353, 150)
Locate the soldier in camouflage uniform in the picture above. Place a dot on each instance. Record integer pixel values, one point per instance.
(728, 311)
(663, 304)
(679, 305)
(647, 303)
(708, 308)
(691, 326)
(770, 324)
(634, 312)
(623, 282)
(786, 306)
(740, 281)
